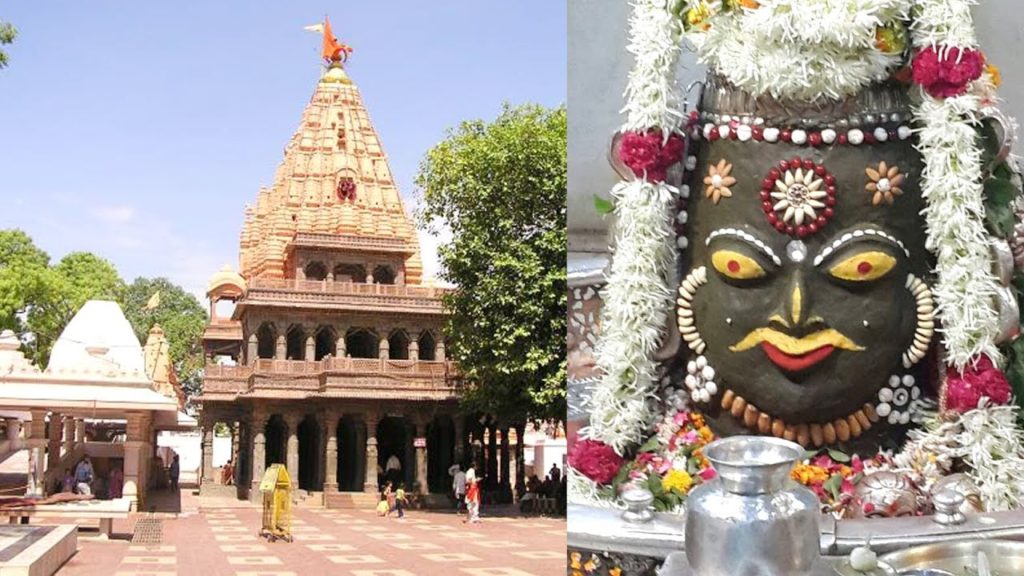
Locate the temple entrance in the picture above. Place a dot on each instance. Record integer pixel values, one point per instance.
(309, 455)
(276, 435)
(440, 454)
(351, 455)
(392, 449)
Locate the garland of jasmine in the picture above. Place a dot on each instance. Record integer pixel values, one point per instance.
(952, 182)
(637, 298)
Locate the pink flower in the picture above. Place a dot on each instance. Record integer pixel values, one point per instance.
(644, 153)
(964, 391)
(945, 72)
(707, 474)
(595, 460)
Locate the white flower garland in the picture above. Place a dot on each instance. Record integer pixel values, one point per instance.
(799, 49)
(954, 191)
(637, 301)
(637, 298)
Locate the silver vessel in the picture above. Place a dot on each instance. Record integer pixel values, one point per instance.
(752, 519)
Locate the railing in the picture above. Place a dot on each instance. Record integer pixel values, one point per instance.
(380, 244)
(346, 294)
(347, 288)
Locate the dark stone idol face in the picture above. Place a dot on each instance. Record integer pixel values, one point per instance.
(806, 311)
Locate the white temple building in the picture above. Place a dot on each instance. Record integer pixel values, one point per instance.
(97, 371)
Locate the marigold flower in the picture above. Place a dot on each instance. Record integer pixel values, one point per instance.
(677, 480)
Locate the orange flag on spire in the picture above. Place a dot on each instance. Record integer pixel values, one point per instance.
(332, 50)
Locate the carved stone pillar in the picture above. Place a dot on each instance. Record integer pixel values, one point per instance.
(421, 457)
(53, 446)
(310, 348)
(258, 428)
(252, 350)
(384, 347)
(370, 483)
(281, 348)
(339, 344)
(79, 429)
(137, 457)
(36, 455)
(14, 439)
(460, 440)
(439, 350)
(414, 346)
(292, 458)
(207, 431)
(331, 474)
(69, 433)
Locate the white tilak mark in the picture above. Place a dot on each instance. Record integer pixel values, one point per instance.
(858, 234)
(744, 236)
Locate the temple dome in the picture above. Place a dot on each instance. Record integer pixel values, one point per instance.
(226, 283)
(98, 339)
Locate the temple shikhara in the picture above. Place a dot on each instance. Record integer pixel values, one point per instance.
(333, 359)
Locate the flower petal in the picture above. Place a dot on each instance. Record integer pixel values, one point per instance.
(872, 173)
(728, 181)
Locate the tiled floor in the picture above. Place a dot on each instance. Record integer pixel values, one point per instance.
(208, 541)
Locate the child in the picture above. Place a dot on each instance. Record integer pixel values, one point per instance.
(382, 506)
(400, 501)
(472, 497)
(390, 497)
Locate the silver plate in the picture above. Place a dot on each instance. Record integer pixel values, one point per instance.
(1005, 558)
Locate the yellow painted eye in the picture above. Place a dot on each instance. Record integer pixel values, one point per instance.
(735, 265)
(864, 267)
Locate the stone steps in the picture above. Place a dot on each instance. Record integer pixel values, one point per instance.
(350, 500)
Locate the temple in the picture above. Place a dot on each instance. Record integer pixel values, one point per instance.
(333, 359)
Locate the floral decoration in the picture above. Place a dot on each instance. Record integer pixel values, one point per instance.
(832, 476)
(595, 460)
(798, 197)
(649, 154)
(718, 181)
(946, 71)
(965, 390)
(884, 183)
(898, 400)
(346, 189)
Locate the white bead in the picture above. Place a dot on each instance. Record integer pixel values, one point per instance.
(726, 118)
(771, 134)
(691, 162)
(707, 130)
(716, 181)
(900, 397)
(723, 131)
(690, 381)
(682, 217)
(885, 394)
(828, 135)
(894, 417)
(758, 121)
(883, 409)
(695, 396)
(881, 135)
(682, 242)
(684, 191)
(908, 380)
(744, 132)
(905, 417)
(799, 137)
(915, 392)
(894, 380)
(711, 387)
(708, 373)
(884, 185)
(904, 132)
(855, 137)
(701, 362)
(705, 396)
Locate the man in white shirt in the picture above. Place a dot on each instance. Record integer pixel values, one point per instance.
(459, 486)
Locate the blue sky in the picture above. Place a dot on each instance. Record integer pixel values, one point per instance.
(139, 130)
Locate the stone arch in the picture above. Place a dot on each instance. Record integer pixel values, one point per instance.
(427, 346)
(398, 345)
(383, 275)
(296, 347)
(350, 273)
(326, 339)
(308, 433)
(266, 340)
(315, 270)
(362, 343)
(276, 435)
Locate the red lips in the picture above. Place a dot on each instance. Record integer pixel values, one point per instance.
(792, 363)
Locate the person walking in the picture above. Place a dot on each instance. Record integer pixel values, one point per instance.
(84, 476)
(173, 472)
(400, 502)
(389, 495)
(459, 488)
(472, 497)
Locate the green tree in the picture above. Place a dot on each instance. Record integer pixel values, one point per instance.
(182, 318)
(7, 35)
(500, 187)
(24, 270)
(76, 279)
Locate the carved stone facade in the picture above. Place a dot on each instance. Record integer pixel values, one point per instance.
(333, 359)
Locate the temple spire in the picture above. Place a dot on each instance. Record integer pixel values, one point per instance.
(334, 53)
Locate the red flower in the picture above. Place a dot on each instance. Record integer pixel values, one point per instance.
(964, 391)
(945, 72)
(644, 153)
(595, 460)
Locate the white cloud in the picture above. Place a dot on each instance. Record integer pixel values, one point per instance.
(115, 214)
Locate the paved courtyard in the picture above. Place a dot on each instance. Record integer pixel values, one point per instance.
(207, 539)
